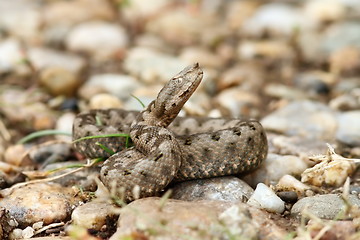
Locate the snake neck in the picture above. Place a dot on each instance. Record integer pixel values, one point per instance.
(172, 97)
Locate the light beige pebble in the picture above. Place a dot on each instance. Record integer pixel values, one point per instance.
(290, 183)
(14, 155)
(111, 39)
(203, 56)
(74, 12)
(36, 202)
(270, 172)
(59, 81)
(64, 124)
(324, 11)
(274, 50)
(45, 57)
(236, 102)
(94, 215)
(104, 101)
(152, 66)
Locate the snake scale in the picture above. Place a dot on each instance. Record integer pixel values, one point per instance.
(166, 147)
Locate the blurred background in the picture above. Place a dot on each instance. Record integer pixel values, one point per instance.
(63, 56)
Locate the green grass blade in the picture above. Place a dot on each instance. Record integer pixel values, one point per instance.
(106, 149)
(142, 104)
(41, 134)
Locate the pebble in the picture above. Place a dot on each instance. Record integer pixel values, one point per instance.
(204, 57)
(235, 102)
(230, 189)
(104, 101)
(179, 22)
(10, 54)
(348, 131)
(289, 183)
(21, 19)
(64, 124)
(43, 58)
(40, 202)
(117, 85)
(296, 146)
(322, 12)
(95, 215)
(265, 198)
(74, 12)
(180, 217)
(7, 223)
(339, 36)
(275, 18)
(306, 118)
(152, 66)
(326, 206)
(270, 172)
(14, 155)
(59, 81)
(111, 39)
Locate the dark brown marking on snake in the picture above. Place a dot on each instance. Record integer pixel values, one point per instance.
(127, 172)
(158, 157)
(215, 136)
(188, 142)
(237, 131)
(249, 140)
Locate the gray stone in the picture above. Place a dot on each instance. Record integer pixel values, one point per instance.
(118, 85)
(307, 119)
(327, 206)
(221, 189)
(270, 172)
(100, 39)
(349, 128)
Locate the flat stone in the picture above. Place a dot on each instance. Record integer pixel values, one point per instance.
(270, 172)
(230, 189)
(95, 215)
(111, 39)
(348, 131)
(36, 202)
(326, 206)
(168, 219)
(307, 119)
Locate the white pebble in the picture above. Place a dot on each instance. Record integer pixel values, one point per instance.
(265, 198)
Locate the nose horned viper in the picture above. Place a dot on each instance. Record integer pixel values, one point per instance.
(168, 148)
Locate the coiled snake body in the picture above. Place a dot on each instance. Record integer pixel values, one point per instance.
(167, 148)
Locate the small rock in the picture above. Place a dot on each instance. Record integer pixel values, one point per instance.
(21, 19)
(340, 229)
(48, 152)
(284, 92)
(276, 18)
(340, 35)
(296, 146)
(48, 58)
(64, 124)
(345, 60)
(326, 206)
(265, 198)
(274, 50)
(59, 81)
(204, 57)
(288, 196)
(10, 55)
(110, 40)
(7, 223)
(40, 202)
(95, 215)
(220, 189)
(289, 183)
(238, 103)
(74, 12)
(14, 155)
(151, 66)
(303, 118)
(104, 101)
(117, 85)
(180, 217)
(348, 131)
(347, 101)
(323, 12)
(270, 172)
